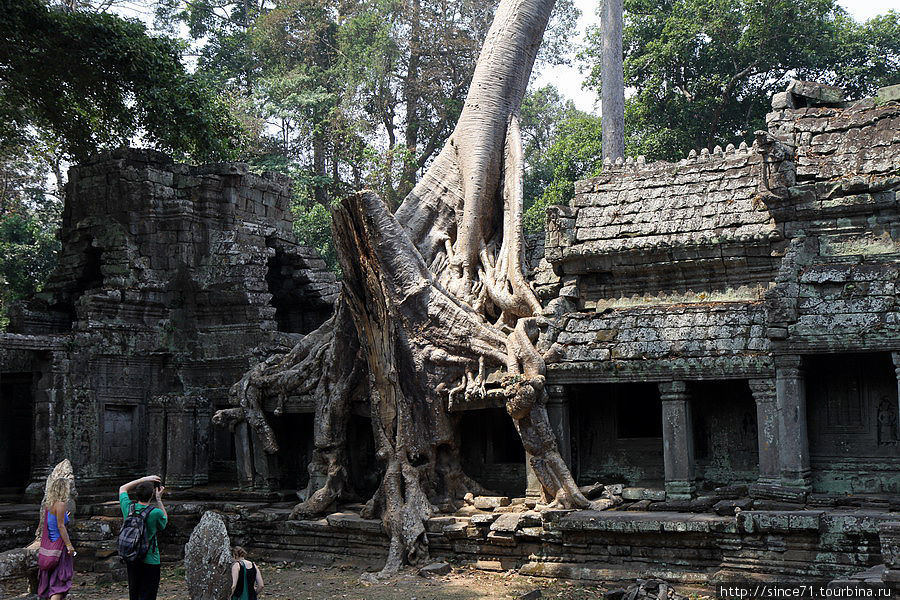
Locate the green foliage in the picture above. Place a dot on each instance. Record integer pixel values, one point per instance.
(704, 70)
(96, 81)
(28, 219)
(562, 145)
(349, 94)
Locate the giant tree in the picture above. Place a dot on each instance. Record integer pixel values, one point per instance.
(435, 310)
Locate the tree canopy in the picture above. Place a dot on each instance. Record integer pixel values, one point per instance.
(93, 80)
(703, 71)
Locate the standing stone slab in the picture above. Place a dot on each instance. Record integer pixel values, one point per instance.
(207, 560)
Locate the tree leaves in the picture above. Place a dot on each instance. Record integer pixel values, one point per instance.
(704, 70)
(97, 81)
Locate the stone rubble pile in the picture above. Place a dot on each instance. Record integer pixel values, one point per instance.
(645, 589)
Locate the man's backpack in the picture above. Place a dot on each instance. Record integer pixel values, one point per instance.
(133, 543)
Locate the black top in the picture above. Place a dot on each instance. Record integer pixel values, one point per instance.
(248, 575)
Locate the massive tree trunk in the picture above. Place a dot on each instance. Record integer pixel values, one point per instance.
(438, 300)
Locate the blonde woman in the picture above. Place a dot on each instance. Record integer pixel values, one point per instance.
(56, 554)
(246, 580)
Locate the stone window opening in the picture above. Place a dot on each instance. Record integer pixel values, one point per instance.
(90, 277)
(287, 295)
(492, 452)
(852, 414)
(616, 432)
(725, 430)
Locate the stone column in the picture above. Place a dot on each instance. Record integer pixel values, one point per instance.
(678, 441)
(533, 486)
(896, 357)
(763, 391)
(180, 442)
(790, 402)
(243, 455)
(156, 435)
(558, 413)
(202, 427)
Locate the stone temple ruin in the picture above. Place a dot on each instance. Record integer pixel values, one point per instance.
(169, 280)
(731, 327)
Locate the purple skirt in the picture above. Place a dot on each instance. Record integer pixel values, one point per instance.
(57, 581)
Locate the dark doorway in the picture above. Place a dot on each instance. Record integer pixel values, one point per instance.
(492, 452)
(617, 434)
(726, 445)
(16, 428)
(852, 417)
(365, 470)
(294, 432)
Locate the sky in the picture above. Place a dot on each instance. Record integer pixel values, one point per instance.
(569, 80)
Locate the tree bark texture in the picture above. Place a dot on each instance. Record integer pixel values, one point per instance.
(434, 300)
(612, 81)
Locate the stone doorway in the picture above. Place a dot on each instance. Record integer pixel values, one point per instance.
(492, 452)
(364, 468)
(617, 434)
(726, 446)
(16, 430)
(294, 432)
(852, 417)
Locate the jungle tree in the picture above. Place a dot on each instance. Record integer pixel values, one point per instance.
(435, 309)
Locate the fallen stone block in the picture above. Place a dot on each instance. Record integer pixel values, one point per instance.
(490, 502)
(503, 538)
(727, 508)
(483, 519)
(593, 491)
(435, 568)
(532, 595)
(816, 93)
(890, 93)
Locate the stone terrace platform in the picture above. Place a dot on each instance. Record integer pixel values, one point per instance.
(502, 534)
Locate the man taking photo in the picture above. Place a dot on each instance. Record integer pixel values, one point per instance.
(137, 542)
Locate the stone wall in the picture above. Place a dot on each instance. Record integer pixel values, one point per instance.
(171, 280)
(588, 545)
(755, 264)
(642, 229)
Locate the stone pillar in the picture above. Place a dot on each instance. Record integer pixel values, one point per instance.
(896, 357)
(763, 391)
(678, 441)
(533, 486)
(202, 427)
(178, 439)
(558, 413)
(790, 402)
(243, 454)
(180, 443)
(156, 435)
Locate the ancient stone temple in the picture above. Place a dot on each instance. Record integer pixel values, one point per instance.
(725, 385)
(733, 318)
(171, 280)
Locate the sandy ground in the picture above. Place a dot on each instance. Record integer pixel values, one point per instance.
(293, 582)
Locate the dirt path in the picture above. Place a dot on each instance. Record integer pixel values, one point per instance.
(293, 582)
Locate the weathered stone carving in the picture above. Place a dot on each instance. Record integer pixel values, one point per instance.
(207, 560)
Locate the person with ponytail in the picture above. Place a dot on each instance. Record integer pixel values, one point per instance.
(246, 580)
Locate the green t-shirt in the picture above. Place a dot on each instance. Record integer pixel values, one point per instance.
(156, 522)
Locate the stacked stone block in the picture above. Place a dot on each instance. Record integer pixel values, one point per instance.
(162, 298)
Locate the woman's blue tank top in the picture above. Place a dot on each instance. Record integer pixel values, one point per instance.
(53, 526)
